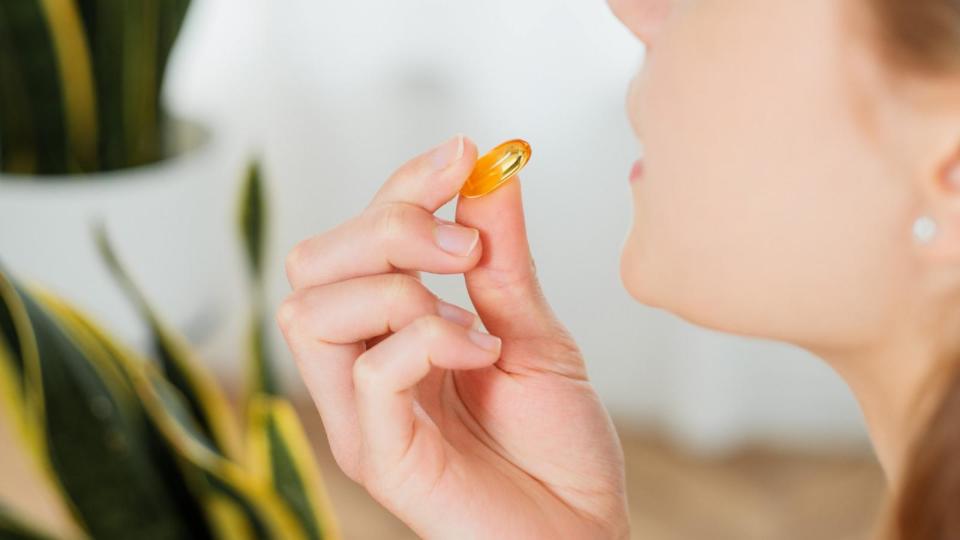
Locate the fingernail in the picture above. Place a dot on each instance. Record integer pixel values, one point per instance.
(485, 341)
(456, 314)
(456, 239)
(447, 153)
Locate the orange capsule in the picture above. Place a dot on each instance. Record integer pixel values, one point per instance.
(496, 167)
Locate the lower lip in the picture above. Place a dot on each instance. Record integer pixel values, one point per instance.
(637, 171)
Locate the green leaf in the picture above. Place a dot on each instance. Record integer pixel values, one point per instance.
(13, 528)
(234, 505)
(261, 377)
(280, 454)
(81, 83)
(204, 398)
(76, 76)
(252, 506)
(253, 219)
(252, 214)
(105, 22)
(125, 367)
(31, 93)
(169, 23)
(18, 152)
(140, 89)
(16, 339)
(94, 442)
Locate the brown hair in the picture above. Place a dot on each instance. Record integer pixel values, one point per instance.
(926, 503)
(923, 36)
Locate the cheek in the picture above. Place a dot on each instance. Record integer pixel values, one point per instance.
(805, 255)
(761, 211)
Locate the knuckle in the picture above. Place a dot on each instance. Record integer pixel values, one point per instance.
(294, 261)
(429, 328)
(390, 220)
(402, 289)
(513, 280)
(365, 373)
(288, 313)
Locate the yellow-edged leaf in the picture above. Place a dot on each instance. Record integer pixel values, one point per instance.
(18, 351)
(230, 511)
(32, 108)
(267, 514)
(180, 366)
(252, 215)
(280, 455)
(228, 517)
(97, 448)
(14, 528)
(76, 73)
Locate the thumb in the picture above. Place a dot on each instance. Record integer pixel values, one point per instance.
(503, 286)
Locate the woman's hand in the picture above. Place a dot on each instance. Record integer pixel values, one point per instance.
(458, 433)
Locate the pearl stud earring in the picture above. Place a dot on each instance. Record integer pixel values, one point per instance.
(924, 229)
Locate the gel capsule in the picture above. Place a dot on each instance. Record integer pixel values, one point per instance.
(496, 167)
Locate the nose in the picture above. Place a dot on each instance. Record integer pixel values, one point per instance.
(642, 17)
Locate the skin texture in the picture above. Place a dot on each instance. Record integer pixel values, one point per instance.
(780, 156)
(457, 441)
(783, 155)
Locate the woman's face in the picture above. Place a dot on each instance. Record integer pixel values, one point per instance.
(770, 204)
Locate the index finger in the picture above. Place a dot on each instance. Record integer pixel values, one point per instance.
(432, 178)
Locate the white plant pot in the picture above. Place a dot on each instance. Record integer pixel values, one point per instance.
(171, 224)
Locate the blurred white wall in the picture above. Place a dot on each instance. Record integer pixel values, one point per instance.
(336, 95)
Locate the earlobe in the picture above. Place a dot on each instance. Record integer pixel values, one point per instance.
(925, 229)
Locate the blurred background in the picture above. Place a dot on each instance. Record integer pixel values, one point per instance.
(726, 437)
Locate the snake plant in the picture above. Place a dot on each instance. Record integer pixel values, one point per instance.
(80, 83)
(152, 449)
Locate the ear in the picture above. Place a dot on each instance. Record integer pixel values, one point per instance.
(942, 205)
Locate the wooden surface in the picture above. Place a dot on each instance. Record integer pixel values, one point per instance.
(755, 494)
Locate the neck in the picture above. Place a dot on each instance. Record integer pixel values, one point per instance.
(889, 381)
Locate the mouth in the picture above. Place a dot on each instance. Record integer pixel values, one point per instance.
(636, 172)
(633, 118)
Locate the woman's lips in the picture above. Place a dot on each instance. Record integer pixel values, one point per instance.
(637, 171)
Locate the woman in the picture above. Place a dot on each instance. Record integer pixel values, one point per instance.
(801, 182)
